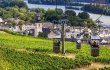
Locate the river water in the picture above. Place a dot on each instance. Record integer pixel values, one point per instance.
(104, 19)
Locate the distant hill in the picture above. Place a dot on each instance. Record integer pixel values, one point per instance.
(10, 3)
(62, 2)
(49, 2)
(95, 1)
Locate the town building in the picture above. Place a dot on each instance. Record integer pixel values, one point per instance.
(2, 22)
(33, 29)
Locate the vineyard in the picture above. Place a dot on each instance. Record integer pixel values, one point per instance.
(35, 56)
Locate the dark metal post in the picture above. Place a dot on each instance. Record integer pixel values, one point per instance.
(99, 25)
(56, 6)
(63, 40)
(63, 31)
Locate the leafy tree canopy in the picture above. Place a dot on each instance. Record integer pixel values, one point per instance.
(84, 15)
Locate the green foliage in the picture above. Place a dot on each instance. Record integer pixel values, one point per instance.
(44, 45)
(43, 35)
(70, 13)
(15, 12)
(84, 15)
(42, 61)
(30, 15)
(10, 32)
(53, 15)
(89, 23)
(21, 22)
(18, 9)
(11, 23)
(85, 38)
(97, 9)
(75, 21)
(80, 19)
(59, 11)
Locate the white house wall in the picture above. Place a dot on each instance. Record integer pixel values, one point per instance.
(37, 27)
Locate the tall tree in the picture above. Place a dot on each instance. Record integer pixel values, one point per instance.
(84, 15)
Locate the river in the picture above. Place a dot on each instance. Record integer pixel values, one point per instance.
(104, 19)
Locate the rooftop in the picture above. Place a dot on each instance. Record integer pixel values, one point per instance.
(95, 37)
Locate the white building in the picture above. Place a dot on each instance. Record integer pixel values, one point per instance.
(68, 35)
(37, 28)
(1, 21)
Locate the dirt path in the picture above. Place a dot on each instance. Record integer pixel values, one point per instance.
(66, 55)
(20, 49)
(94, 66)
(51, 54)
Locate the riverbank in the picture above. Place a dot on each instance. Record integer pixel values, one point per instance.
(104, 19)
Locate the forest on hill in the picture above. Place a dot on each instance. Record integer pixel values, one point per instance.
(94, 1)
(53, 2)
(10, 3)
(97, 9)
(62, 2)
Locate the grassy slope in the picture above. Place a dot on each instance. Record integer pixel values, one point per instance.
(15, 60)
(8, 57)
(24, 42)
(13, 41)
(45, 45)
